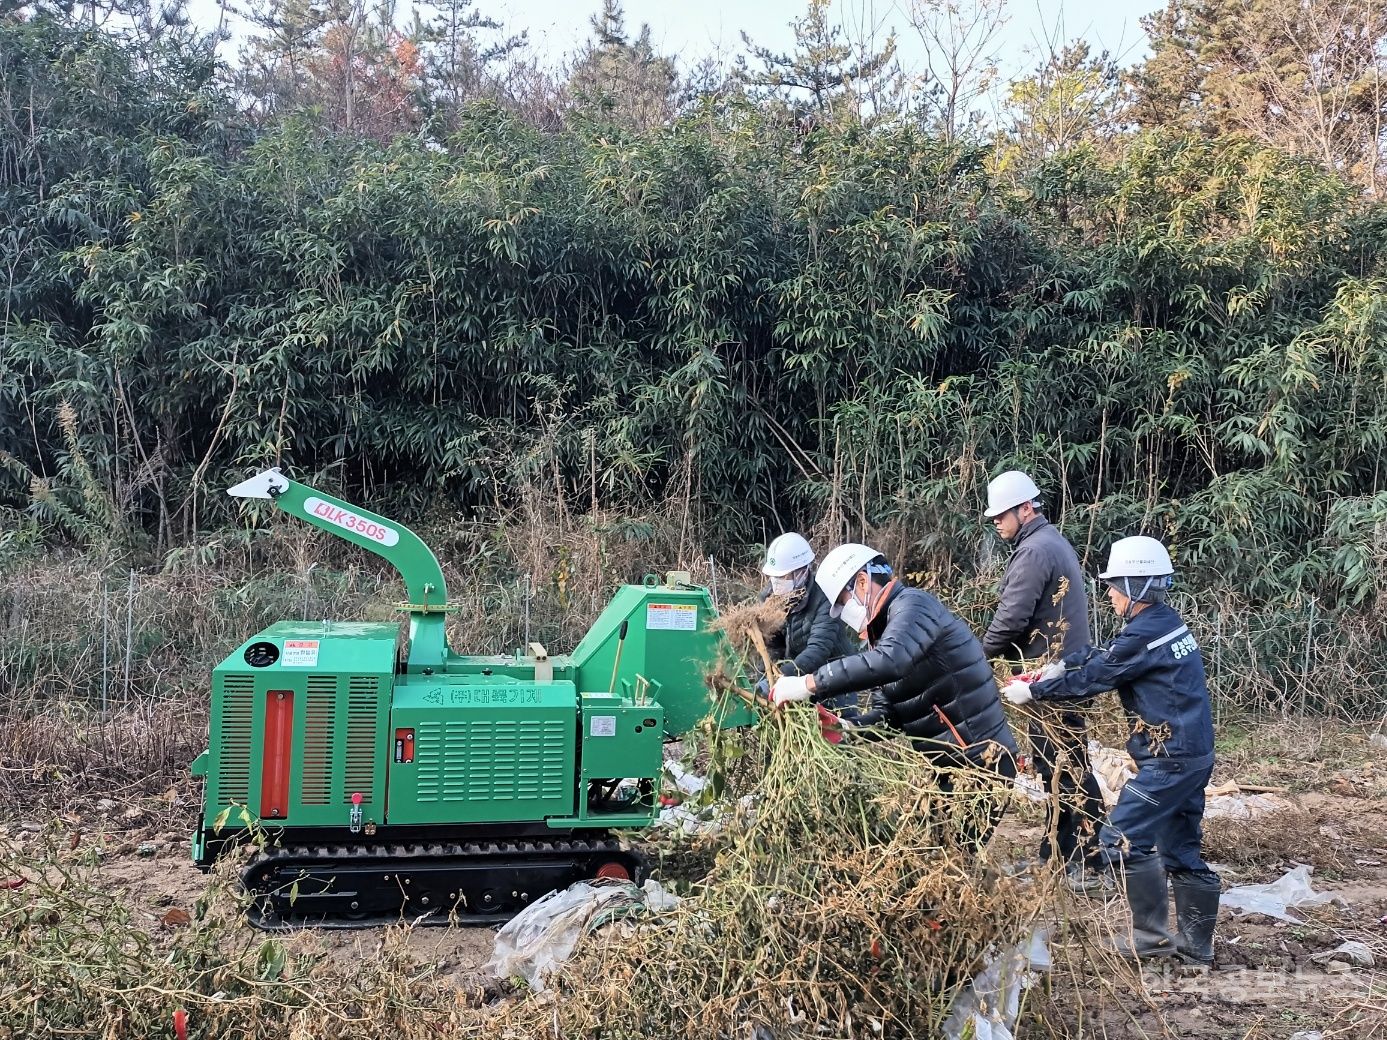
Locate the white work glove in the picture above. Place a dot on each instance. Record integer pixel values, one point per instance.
(790, 688)
(1053, 670)
(1017, 692)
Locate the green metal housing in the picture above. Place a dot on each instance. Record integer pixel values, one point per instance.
(495, 739)
(338, 677)
(486, 749)
(318, 728)
(668, 651)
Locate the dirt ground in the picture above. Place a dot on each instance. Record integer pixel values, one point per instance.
(1271, 979)
(1268, 981)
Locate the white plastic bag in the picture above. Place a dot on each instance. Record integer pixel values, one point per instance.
(1241, 806)
(1290, 890)
(689, 821)
(1112, 768)
(708, 819)
(545, 933)
(988, 1007)
(688, 783)
(1031, 788)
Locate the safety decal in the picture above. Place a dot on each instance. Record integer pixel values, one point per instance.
(300, 653)
(602, 726)
(671, 617)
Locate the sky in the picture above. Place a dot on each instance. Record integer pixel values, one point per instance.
(693, 29)
(699, 27)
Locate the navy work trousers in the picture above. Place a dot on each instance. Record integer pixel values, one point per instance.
(1160, 812)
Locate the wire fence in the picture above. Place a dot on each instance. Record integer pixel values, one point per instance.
(1288, 659)
(109, 639)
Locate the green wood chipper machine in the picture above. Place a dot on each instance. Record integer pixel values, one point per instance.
(421, 783)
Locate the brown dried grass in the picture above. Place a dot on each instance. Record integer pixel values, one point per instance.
(75, 962)
(841, 900)
(1279, 836)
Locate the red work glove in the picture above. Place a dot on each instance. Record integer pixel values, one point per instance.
(830, 725)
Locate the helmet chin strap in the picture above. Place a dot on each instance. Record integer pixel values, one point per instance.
(875, 595)
(1132, 601)
(874, 602)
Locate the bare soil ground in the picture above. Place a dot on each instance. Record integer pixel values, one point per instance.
(1267, 981)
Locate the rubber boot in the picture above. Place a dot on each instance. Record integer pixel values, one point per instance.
(1149, 899)
(1196, 911)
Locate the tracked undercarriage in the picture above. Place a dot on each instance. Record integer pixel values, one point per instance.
(359, 886)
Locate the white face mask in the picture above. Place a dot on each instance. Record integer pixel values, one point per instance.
(854, 614)
(790, 583)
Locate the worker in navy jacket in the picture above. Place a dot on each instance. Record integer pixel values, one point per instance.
(1155, 830)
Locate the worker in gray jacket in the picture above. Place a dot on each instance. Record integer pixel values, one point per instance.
(1042, 612)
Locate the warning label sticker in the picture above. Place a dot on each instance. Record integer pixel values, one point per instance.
(603, 726)
(671, 617)
(300, 653)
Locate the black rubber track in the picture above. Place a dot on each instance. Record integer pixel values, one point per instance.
(367, 886)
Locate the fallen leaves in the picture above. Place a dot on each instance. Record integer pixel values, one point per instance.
(175, 917)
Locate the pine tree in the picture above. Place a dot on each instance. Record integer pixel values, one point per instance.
(1308, 76)
(274, 75)
(822, 74)
(461, 49)
(622, 78)
(1069, 99)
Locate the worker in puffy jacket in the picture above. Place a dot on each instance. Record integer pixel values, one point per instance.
(1042, 611)
(812, 636)
(925, 667)
(1156, 829)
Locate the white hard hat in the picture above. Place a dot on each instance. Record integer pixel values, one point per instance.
(787, 553)
(840, 566)
(1008, 491)
(1137, 557)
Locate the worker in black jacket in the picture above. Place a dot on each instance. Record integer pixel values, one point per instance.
(926, 668)
(1042, 612)
(812, 636)
(1155, 831)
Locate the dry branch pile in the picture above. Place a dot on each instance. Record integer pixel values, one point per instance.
(838, 904)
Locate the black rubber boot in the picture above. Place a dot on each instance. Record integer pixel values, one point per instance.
(1149, 899)
(1196, 911)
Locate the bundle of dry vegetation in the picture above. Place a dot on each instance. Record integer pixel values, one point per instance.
(843, 900)
(76, 961)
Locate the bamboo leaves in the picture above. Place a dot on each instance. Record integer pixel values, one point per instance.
(725, 311)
